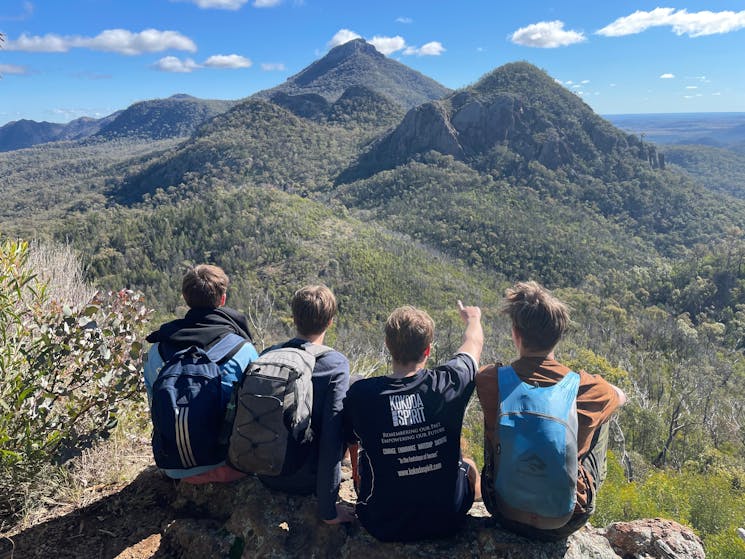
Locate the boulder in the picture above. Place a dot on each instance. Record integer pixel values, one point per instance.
(245, 519)
(654, 538)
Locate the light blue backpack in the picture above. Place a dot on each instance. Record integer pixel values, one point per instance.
(536, 459)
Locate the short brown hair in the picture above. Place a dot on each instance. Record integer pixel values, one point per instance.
(313, 308)
(203, 286)
(408, 334)
(539, 317)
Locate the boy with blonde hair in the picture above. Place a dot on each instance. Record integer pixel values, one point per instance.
(319, 468)
(414, 483)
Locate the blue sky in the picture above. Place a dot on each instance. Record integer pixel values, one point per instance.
(68, 58)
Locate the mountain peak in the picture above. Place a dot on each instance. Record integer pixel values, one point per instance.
(355, 46)
(358, 63)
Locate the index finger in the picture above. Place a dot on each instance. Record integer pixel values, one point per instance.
(460, 305)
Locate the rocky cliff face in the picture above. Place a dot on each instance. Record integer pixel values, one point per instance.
(246, 520)
(518, 108)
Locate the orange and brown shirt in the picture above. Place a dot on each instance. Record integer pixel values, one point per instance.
(596, 402)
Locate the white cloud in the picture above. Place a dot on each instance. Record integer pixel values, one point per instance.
(433, 48)
(585, 81)
(12, 69)
(691, 87)
(228, 61)
(111, 40)
(404, 20)
(667, 76)
(217, 4)
(388, 45)
(46, 43)
(717, 93)
(173, 64)
(273, 67)
(343, 36)
(546, 34)
(695, 24)
(266, 3)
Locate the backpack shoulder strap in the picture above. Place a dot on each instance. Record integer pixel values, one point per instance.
(226, 348)
(317, 350)
(508, 380)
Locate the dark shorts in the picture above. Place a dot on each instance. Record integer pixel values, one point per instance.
(463, 491)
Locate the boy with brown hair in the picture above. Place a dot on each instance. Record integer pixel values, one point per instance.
(414, 483)
(313, 312)
(517, 435)
(221, 332)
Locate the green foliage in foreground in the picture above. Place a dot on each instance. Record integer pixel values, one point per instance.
(711, 501)
(63, 372)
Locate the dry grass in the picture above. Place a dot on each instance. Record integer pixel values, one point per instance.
(59, 267)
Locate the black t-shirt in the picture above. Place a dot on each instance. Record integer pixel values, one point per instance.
(412, 481)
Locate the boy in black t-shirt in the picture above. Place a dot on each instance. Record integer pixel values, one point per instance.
(414, 483)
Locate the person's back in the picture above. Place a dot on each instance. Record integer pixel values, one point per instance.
(319, 467)
(538, 322)
(206, 324)
(413, 481)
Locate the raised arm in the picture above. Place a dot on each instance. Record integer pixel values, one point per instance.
(473, 337)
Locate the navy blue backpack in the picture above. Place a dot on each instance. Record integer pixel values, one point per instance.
(188, 405)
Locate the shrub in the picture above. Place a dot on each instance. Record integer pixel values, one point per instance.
(64, 370)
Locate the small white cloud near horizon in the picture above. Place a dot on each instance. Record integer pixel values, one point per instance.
(693, 24)
(584, 81)
(667, 76)
(12, 69)
(546, 35)
(404, 20)
(120, 41)
(691, 87)
(227, 61)
(273, 67)
(175, 65)
(216, 4)
(388, 45)
(266, 3)
(717, 93)
(433, 48)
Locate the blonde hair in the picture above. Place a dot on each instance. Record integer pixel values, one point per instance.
(203, 286)
(539, 317)
(408, 334)
(313, 308)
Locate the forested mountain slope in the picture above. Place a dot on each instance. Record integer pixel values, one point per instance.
(157, 119)
(719, 169)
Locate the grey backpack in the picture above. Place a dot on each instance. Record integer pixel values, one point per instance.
(272, 407)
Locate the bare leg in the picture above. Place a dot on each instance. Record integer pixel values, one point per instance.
(474, 479)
